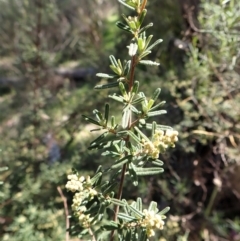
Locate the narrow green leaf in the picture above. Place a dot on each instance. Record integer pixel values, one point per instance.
(126, 117)
(131, 147)
(133, 174)
(126, 217)
(99, 169)
(120, 64)
(145, 27)
(99, 138)
(134, 109)
(113, 121)
(157, 162)
(98, 114)
(99, 181)
(150, 104)
(114, 175)
(142, 235)
(104, 185)
(126, 67)
(142, 16)
(122, 79)
(122, 89)
(118, 202)
(117, 148)
(154, 126)
(110, 153)
(135, 212)
(135, 87)
(144, 54)
(143, 36)
(127, 150)
(116, 69)
(128, 236)
(142, 122)
(113, 60)
(107, 76)
(153, 206)
(165, 210)
(106, 114)
(122, 145)
(149, 62)
(123, 26)
(122, 133)
(125, 18)
(100, 214)
(141, 134)
(126, 208)
(110, 188)
(132, 25)
(110, 226)
(160, 127)
(155, 113)
(96, 178)
(139, 204)
(97, 146)
(141, 94)
(133, 204)
(93, 208)
(121, 162)
(148, 171)
(89, 119)
(134, 137)
(148, 40)
(138, 100)
(141, 44)
(154, 44)
(107, 86)
(126, 5)
(156, 94)
(117, 98)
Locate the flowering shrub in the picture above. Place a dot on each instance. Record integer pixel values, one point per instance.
(133, 153)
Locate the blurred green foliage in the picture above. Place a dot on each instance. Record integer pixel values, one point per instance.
(40, 111)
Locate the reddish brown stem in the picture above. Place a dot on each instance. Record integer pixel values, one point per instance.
(124, 168)
(133, 64)
(119, 196)
(143, 6)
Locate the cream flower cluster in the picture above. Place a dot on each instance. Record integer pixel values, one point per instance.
(75, 183)
(160, 142)
(151, 221)
(84, 192)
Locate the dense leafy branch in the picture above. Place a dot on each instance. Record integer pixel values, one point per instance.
(127, 142)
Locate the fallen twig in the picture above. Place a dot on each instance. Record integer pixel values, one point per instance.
(66, 212)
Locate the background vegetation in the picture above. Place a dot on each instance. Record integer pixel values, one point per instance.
(50, 52)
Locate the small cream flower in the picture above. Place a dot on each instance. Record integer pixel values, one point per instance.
(159, 143)
(75, 183)
(92, 192)
(84, 191)
(150, 232)
(77, 200)
(151, 221)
